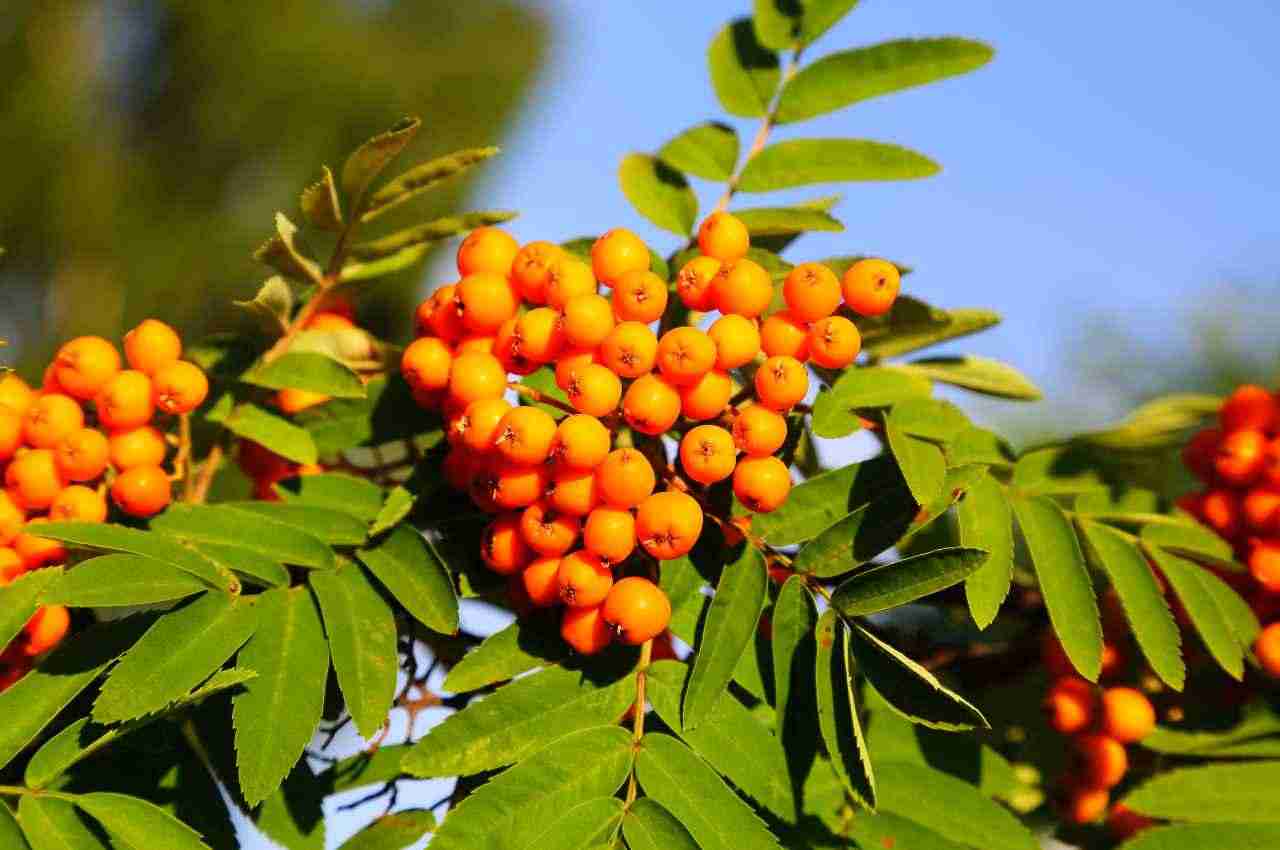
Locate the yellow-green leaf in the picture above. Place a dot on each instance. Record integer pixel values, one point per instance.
(801, 162)
(658, 192)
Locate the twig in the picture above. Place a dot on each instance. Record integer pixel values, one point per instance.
(540, 397)
(637, 726)
(199, 490)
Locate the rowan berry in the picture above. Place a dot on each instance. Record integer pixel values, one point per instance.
(46, 629)
(1070, 705)
(585, 630)
(1270, 474)
(737, 341)
(51, 419)
(541, 334)
(1260, 508)
(569, 277)
(292, 400)
(651, 405)
(668, 525)
(531, 270)
(1127, 715)
(782, 334)
(524, 435)
(1249, 407)
(573, 492)
(1264, 564)
(518, 485)
(707, 397)
(479, 423)
(870, 286)
(812, 292)
(1221, 511)
(1267, 648)
(539, 580)
(639, 296)
(625, 478)
(1085, 804)
(1124, 823)
(457, 467)
(724, 237)
(834, 342)
(82, 455)
(708, 454)
(36, 551)
(594, 390)
(425, 363)
(142, 491)
(33, 480)
(759, 431)
(11, 428)
(15, 394)
(446, 322)
(502, 546)
(744, 288)
(587, 320)
(476, 344)
(637, 610)
(1101, 760)
(78, 503)
(483, 487)
(685, 355)
(610, 534)
(630, 349)
(761, 483)
(508, 348)
(337, 317)
(152, 345)
(1240, 457)
(547, 531)
(12, 517)
(180, 387)
(476, 376)
(617, 252)
(126, 401)
(1201, 450)
(581, 442)
(10, 565)
(487, 250)
(781, 382)
(694, 283)
(84, 365)
(485, 300)
(570, 362)
(584, 580)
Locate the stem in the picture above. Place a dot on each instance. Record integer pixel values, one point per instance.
(540, 397)
(637, 727)
(199, 490)
(17, 791)
(182, 462)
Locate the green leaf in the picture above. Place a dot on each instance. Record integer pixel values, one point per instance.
(729, 629)
(785, 221)
(293, 816)
(257, 568)
(1239, 616)
(1140, 596)
(362, 640)
(794, 618)
(525, 645)
(980, 374)
(161, 547)
(1192, 541)
(272, 306)
(393, 832)
(777, 22)
(54, 825)
(932, 419)
(838, 710)
(658, 192)
(180, 650)
(517, 719)
(120, 580)
(320, 203)
(588, 825)
(820, 16)
(744, 74)
(986, 522)
(885, 829)
(236, 527)
(393, 244)
(823, 500)
(1219, 836)
(1055, 471)
(1258, 723)
(424, 177)
(909, 688)
(950, 807)
(863, 534)
(886, 586)
(305, 371)
(911, 325)
(687, 787)
(333, 526)
(709, 151)
(1160, 423)
(978, 445)
(11, 833)
(388, 414)
(1187, 580)
(368, 160)
(282, 253)
(358, 497)
(843, 79)
(269, 430)
(139, 824)
(20, 599)
(1215, 793)
(278, 712)
(357, 270)
(648, 826)
(503, 813)
(801, 162)
(1064, 581)
(406, 566)
(922, 462)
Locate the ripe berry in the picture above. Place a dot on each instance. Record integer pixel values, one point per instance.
(12, 517)
(625, 478)
(446, 322)
(291, 400)
(694, 283)
(487, 250)
(594, 390)
(142, 491)
(812, 292)
(180, 387)
(477, 426)
(707, 397)
(1085, 804)
(476, 376)
(1127, 715)
(524, 435)
(724, 237)
(759, 431)
(1070, 705)
(485, 300)
(336, 317)
(425, 363)
(737, 341)
(36, 551)
(707, 454)
(46, 629)
(581, 442)
(1124, 823)
(570, 362)
(11, 427)
(15, 394)
(126, 401)
(152, 345)
(617, 252)
(476, 344)
(572, 492)
(1240, 457)
(82, 455)
(870, 286)
(1221, 511)
(540, 333)
(744, 288)
(457, 468)
(84, 365)
(517, 485)
(630, 349)
(834, 342)
(651, 405)
(539, 580)
(610, 534)
(32, 480)
(508, 347)
(685, 355)
(637, 610)
(584, 581)
(10, 565)
(1200, 452)
(781, 382)
(548, 532)
(502, 546)
(1249, 407)
(1270, 474)
(569, 277)
(51, 419)
(531, 270)
(668, 525)
(1261, 509)
(761, 483)
(585, 630)
(1264, 564)
(639, 296)
(1267, 648)
(782, 334)
(79, 504)
(587, 320)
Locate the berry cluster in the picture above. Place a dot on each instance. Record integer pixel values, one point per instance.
(88, 431)
(1239, 463)
(574, 497)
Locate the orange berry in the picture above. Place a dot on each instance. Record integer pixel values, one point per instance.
(32, 480)
(479, 423)
(737, 341)
(524, 435)
(685, 355)
(541, 336)
(834, 342)
(502, 546)
(1249, 407)
(759, 431)
(47, 629)
(51, 419)
(291, 400)
(812, 292)
(585, 630)
(144, 446)
(781, 382)
(1261, 509)
(724, 237)
(36, 551)
(476, 376)
(782, 334)
(651, 405)
(518, 486)
(637, 610)
(707, 397)
(79, 504)
(446, 321)
(1070, 705)
(82, 455)
(610, 534)
(584, 581)
(1240, 457)
(761, 483)
(1124, 823)
(531, 270)
(425, 363)
(49, 380)
(870, 286)
(1221, 511)
(707, 454)
(694, 283)
(332, 319)
(487, 250)
(1102, 760)
(587, 320)
(743, 288)
(84, 365)
(594, 390)
(1127, 715)
(1200, 451)
(476, 345)
(569, 277)
(617, 252)
(10, 565)
(180, 387)
(1264, 564)
(570, 362)
(485, 300)
(509, 349)
(630, 349)
(15, 394)
(548, 532)
(142, 491)
(1267, 648)
(572, 492)
(12, 517)
(581, 442)
(668, 525)
(126, 401)
(639, 296)
(539, 580)
(625, 478)
(11, 428)
(457, 467)
(1085, 804)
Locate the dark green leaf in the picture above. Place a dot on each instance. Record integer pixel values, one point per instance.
(11, 833)
(923, 464)
(54, 825)
(648, 826)
(743, 73)
(406, 566)
(357, 497)
(272, 307)
(388, 414)
(838, 710)
(236, 527)
(20, 599)
(333, 526)
(885, 829)
(269, 430)
(525, 645)
(117, 538)
(139, 824)
(986, 522)
(784, 221)
(393, 244)
(320, 203)
(822, 501)
(980, 374)
(1055, 471)
(282, 253)
(306, 371)
(393, 832)
(118, 580)
(863, 534)
(801, 162)
(658, 192)
(424, 177)
(886, 586)
(368, 160)
(1187, 580)
(293, 816)
(950, 807)
(794, 619)
(255, 567)
(911, 325)
(1214, 793)
(1219, 836)
(708, 150)
(909, 688)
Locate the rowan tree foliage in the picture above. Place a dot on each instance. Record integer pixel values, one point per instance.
(849, 656)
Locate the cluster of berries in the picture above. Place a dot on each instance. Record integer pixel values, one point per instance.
(88, 431)
(1101, 720)
(1239, 463)
(572, 500)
